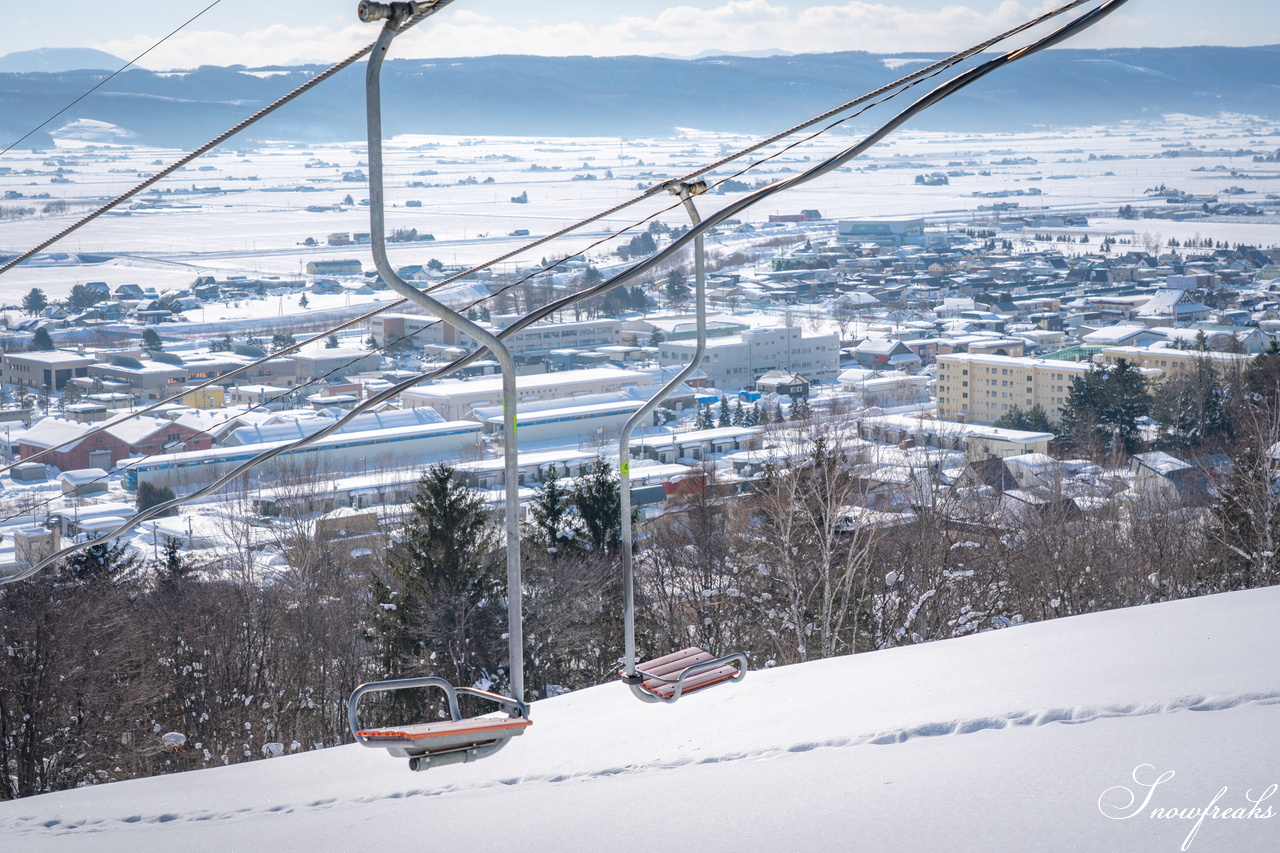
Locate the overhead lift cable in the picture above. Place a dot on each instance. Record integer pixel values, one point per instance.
(428, 9)
(898, 85)
(425, 11)
(105, 80)
(940, 93)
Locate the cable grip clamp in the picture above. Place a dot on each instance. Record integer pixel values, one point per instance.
(370, 11)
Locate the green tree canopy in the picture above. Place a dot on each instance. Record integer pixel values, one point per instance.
(1034, 419)
(599, 505)
(42, 342)
(440, 606)
(1104, 407)
(35, 301)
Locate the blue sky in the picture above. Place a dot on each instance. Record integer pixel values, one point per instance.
(259, 32)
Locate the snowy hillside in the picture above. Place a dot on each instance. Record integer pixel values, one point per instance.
(1005, 740)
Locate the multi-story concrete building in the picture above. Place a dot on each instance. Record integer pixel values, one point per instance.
(536, 340)
(37, 369)
(736, 361)
(334, 363)
(1173, 362)
(148, 380)
(980, 388)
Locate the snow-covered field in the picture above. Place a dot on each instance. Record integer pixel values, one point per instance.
(259, 218)
(1103, 732)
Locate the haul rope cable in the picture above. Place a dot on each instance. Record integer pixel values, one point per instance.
(542, 270)
(907, 81)
(940, 93)
(105, 80)
(657, 188)
(901, 85)
(219, 139)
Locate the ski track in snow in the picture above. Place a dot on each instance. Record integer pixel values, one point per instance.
(1015, 719)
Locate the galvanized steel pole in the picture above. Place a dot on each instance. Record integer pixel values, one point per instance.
(686, 193)
(378, 242)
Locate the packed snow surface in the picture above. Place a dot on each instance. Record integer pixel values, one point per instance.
(1076, 734)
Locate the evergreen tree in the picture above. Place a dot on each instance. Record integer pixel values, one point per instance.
(1262, 379)
(303, 301)
(42, 342)
(150, 495)
(103, 561)
(282, 340)
(70, 395)
(739, 419)
(1035, 419)
(1191, 406)
(151, 340)
(725, 419)
(35, 301)
(599, 504)
(677, 291)
(703, 420)
(222, 344)
(82, 297)
(440, 608)
(551, 528)
(1104, 406)
(331, 342)
(172, 565)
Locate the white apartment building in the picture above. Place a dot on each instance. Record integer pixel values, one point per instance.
(736, 361)
(980, 388)
(538, 339)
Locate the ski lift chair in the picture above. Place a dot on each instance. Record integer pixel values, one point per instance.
(442, 742)
(669, 677)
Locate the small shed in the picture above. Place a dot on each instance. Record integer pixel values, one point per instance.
(85, 481)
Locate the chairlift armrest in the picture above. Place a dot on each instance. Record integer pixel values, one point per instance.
(353, 704)
(699, 668)
(514, 707)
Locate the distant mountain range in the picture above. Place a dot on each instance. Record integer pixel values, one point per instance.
(645, 96)
(58, 59)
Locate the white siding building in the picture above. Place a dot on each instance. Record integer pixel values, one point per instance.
(737, 361)
(538, 339)
(456, 400)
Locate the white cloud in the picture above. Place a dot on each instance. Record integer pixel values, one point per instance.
(736, 25)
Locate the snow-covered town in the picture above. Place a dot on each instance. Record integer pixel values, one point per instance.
(932, 343)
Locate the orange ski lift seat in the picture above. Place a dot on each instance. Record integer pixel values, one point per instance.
(451, 741)
(667, 678)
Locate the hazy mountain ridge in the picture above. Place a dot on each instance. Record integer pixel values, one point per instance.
(58, 59)
(648, 96)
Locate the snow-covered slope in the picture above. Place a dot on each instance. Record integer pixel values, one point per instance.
(1023, 739)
